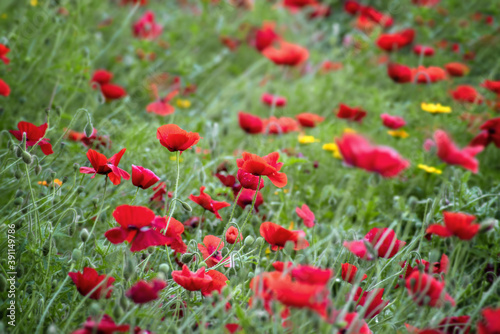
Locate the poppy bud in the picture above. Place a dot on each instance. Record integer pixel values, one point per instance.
(226, 291)
(202, 264)
(3, 283)
(249, 240)
(95, 309)
(258, 242)
(488, 224)
(161, 276)
(186, 206)
(80, 189)
(84, 235)
(129, 269)
(412, 203)
(237, 290)
(76, 255)
(38, 169)
(251, 275)
(18, 174)
(164, 268)
(18, 151)
(117, 311)
(10, 145)
(187, 257)
(76, 167)
(95, 201)
(18, 201)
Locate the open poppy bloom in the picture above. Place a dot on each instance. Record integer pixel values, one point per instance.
(110, 91)
(249, 181)
(162, 107)
(307, 215)
(105, 326)
(233, 235)
(493, 86)
(104, 166)
(304, 273)
(146, 27)
(101, 77)
(349, 272)
(396, 41)
(309, 120)
(280, 125)
(368, 13)
(143, 292)
(448, 152)
(34, 136)
(265, 36)
(352, 321)
(490, 134)
(89, 279)
(192, 281)
(399, 73)
(490, 321)
(246, 198)
(358, 152)
(264, 166)
(371, 301)
(383, 241)
(456, 69)
(207, 203)
(250, 123)
(277, 236)
(273, 100)
(93, 140)
(455, 224)
(466, 93)
(219, 280)
(4, 88)
(175, 139)
(425, 75)
(448, 325)
(355, 114)
(424, 288)
(392, 122)
(423, 50)
(143, 177)
(3, 54)
(211, 250)
(287, 54)
(440, 267)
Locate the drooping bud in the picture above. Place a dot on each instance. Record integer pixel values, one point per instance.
(187, 257)
(84, 235)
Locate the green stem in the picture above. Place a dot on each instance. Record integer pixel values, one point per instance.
(133, 199)
(100, 209)
(34, 203)
(234, 205)
(174, 201)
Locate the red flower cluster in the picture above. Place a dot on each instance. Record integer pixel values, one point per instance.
(263, 166)
(355, 114)
(396, 41)
(110, 91)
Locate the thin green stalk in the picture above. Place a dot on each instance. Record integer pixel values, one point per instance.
(100, 209)
(39, 228)
(133, 199)
(174, 201)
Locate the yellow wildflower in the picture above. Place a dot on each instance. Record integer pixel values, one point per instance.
(435, 108)
(54, 183)
(174, 158)
(349, 130)
(332, 147)
(307, 139)
(183, 103)
(292, 225)
(399, 133)
(430, 169)
(34, 3)
(285, 191)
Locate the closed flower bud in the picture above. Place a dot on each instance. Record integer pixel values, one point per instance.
(117, 311)
(95, 309)
(202, 264)
(18, 174)
(76, 255)
(164, 268)
(38, 169)
(251, 274)
(187, 257)
(19, 193)
(249, 240)
(129, 269)
(18, 201)
(186, 206)
(26, 158)
(76, 167)
(80, 189)
(259, 241)
(18, 151)
(84, 235)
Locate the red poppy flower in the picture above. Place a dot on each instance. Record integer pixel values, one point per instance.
(104, 166)
(248, 180)
(263, 166)
(161, 106)
(383, 241)
(143, 177)
(93, 140)
(354, 323)
(105, 326)
(4, 88)
(34, 136)
(250, 123)
(280, 125)
(143, 292)
(232, 328)
(399, 73)
(424, 50)
(396, 41)
(490, 134)
(287, 54)
(349, 272)
(371, 301)
(146, 27)
(355, 114)
(277, 236)
(455, 224)
(392, 122)
(175, 139)
(440, 267)
(211, 250)
(246, 198)
(309, 120)
(352, 7)
(207, 203)
(3, 54)
(192, 281)
(374, 15)
(448, 152)
(448, 325)
(306, 215)
(233, 235)
(431, 74)
(159, 193)
(425, 3)
(173, 235)
(311, 275)
(358, 152)
(490, 322)
(491, 85)
(456, 69)
(265, 36)
(101, 77)
(276, 100)
(218, 282)
(466, 93)
(420, 286)
(330, 66)
(112, 92)
(89, 279)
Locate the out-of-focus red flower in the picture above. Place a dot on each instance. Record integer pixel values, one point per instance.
(448, 152)
(311, 275)
(490, 134)
(233, 235)
(162, 106)
(218, 282)
(146, 27)
(266, 36)
(396, 41)
(399, 73)
(230, 42)
(424, 289)
(112, 92)
(211, 250)
(249, 181)
(354, 323)
(159, 193)
(143, 292)
(34, 136)
(455, 224)
(134, 2)
(273, 100)
(457, 69)
(101, 77)
(246, 198)
(105, 326)
(368, 13)
(358, 152)
(104, 166)
(448, 325)
(250, 123)
(93, 141)
(192, 281)
(424, 50)
(383, 241)
(355, 114)
(392, 122)
(349, 272)
(280, 125)
(424, 75)
(371, 301)
(207, 203)
(466, 93)
(490, 321)
(491, 85)
(143, 177)
(3, 54)
(232, 328)
(306, 215)
(329, 66)
(89, 279)
(263, 166)
(176, 139)
(4, 88)
(277, 236)
(309, 120)
(425, 3)
(287, 54)
(440, 267)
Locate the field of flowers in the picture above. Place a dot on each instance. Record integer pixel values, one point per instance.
(249, 166)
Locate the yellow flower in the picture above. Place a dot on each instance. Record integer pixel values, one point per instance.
(435, 108)
(285, 191)
(174, 158)
(332, 147)
(349, 130)
(183, 103)
(399, 133)
(292, 225)
(34, 3)
(307, 139)
(429, 169)
(53, 184)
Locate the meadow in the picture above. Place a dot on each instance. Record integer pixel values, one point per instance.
(249, 166)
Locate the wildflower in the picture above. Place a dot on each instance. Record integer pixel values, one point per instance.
(305, 274)
(307, 139)
(280, 125)
(440, 267)
(161, 106)
(143, 177)
(493, 86)
(233, 235)
(264, 166)
(207, 203)
(265, 36)
(277, 236)
(105, 326)
(89, 279)
(309, 120)
(4, 88)
(392, 122)
(250, 123)
(273, 100)
(448, 325)
(329, 66)
(490, 134)
(355, 114)
(457, 69)
(249, 181)
(430, 169)
(435, 108)
(102, 79)
(383, 240)
(332, 147)
(424, 50)
(54, 183)
(466, 93)
(246, 198)
(219, 280)
(358, 152)
(287, 54)
(93, 140)
(104, 166)
(448, 152)
(183, 103)
(176, 139)
(192, 281)
(396, 41)
(490, 321)
(211, 250)
(352, 322)
(34, 136)
(349, 272)
(425, 75)
(424, 289)
(398, 133)
(455, 224)
(371, 301)
(399, 73)
(143, 292)
(146, 27)
(306, 215)
(3, 54)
